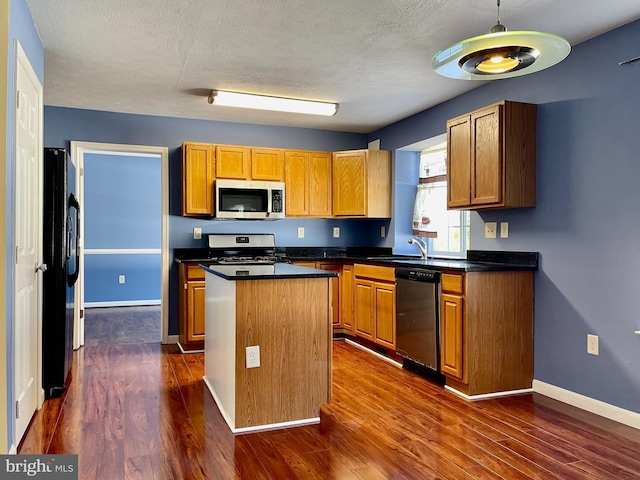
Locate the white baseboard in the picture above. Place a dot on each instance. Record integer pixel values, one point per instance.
(13, 450)
(124, 303)
(182, 350)
(172, 339)
(485, 396)
(589, 404)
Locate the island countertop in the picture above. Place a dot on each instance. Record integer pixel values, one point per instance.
(266, 272)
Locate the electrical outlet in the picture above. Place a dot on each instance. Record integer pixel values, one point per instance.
(197, 233)
(121, 279)
(592, 344)
(490, 229)
(300, 232)
(253, 356)
(336, 232)
(504, 229)
(383, 231)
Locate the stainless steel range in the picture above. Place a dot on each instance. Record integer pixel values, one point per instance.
(243, 249)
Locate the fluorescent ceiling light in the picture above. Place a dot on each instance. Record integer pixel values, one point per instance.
(500, 54)
(278, 104)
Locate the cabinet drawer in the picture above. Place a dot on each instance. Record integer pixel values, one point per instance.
(194, 272)
(452, 283)
(376, 272)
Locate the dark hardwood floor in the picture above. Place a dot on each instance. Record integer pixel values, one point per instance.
(141, 411)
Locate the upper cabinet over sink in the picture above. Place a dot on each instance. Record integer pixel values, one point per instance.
(491, 157)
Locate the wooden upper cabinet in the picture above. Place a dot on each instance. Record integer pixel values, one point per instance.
(233, 162)
(296, 179)
(491, 157)
(459, 170)
(362, 184)
(320, 184)
(308, 183)
(267, 164)
(198, 174)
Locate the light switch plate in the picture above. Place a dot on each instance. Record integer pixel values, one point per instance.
(490, 229)
(300, 232)
(197, 233)
(336, 232)
(504, 229)
(121, 279)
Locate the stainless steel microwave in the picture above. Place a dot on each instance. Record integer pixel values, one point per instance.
(252, 199)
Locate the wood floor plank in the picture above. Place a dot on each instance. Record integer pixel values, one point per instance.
(142, 411)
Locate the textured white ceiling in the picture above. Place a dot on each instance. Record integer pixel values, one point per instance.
(373, 57)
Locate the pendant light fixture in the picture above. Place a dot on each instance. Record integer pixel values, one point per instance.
(500, 54)
(278, 104)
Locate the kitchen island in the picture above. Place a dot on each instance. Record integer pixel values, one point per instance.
(284, 310)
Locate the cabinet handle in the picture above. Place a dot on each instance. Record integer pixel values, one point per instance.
(185, 286)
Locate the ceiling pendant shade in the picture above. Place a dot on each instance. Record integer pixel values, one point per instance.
(500, 54)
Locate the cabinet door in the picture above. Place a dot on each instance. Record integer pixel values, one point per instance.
(458, 162)
(364, 308)
(195, 311)
(346, 297)
(451, 332)
(349, 187)
(232, 162)
(320, 184)
(385, 304)
(335, 292)
(267, 164)
(296, 179)
(486, 156)
(198, 173)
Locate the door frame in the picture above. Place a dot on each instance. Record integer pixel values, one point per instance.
(78, 150)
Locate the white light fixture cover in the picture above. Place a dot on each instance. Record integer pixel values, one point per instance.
(552, 49)
(500, 54)
(278, 104)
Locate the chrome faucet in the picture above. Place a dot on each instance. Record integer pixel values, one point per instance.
(422, 245)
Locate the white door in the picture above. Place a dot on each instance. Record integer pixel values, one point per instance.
(28, 242)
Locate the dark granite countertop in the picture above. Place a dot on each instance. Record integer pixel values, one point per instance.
(277, 271)
(476, 261)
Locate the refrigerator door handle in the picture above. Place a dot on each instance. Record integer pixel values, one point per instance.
(73, 277)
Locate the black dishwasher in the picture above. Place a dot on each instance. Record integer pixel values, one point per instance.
(418, 320)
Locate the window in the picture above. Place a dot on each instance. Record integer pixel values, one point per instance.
(431, 214)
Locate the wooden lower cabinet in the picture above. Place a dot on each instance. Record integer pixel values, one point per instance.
(375, 304)
(346, 299)
(191, 305)
(335, 292)
(487, 331)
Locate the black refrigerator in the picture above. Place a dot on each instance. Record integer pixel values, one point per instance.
(61, 255)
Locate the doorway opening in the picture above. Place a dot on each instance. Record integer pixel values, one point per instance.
(132, 253)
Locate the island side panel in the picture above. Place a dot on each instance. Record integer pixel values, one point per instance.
(220, 354)
(290, 320)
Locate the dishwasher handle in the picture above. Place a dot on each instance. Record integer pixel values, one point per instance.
(418, 275)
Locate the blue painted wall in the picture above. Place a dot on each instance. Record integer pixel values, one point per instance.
(65, 124)
(22, 29)
(123, 211)
(585, 225)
